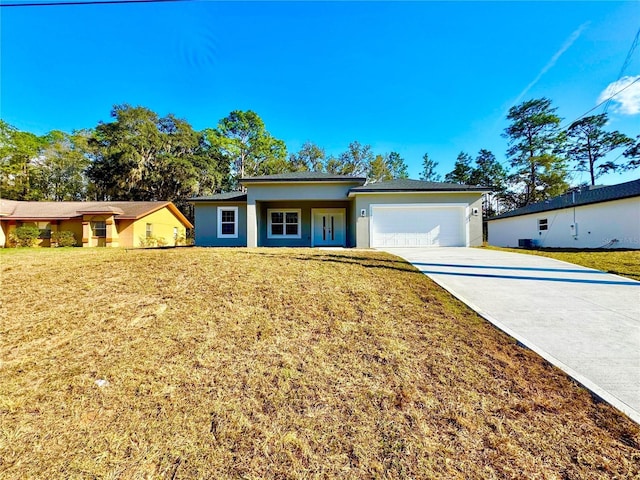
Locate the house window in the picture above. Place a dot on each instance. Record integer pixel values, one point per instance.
(542, 224)
(227, 222)
(283, 224)
(149, 231)
(175, 233)
(45, 230)
(99, 229)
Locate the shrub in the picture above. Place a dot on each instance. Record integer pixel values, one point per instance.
(63, 238)
(25, 236)
(147, 242)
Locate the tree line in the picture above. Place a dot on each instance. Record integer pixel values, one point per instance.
(541, 156)
(139, 155)
(142, 156)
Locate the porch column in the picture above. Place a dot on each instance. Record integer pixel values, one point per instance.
(110, 227)
(53, 228)
(86, 232)
(252, 223)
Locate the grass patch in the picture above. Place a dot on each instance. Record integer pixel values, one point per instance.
(276, 363)
(625, 263)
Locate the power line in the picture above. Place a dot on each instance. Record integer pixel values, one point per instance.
(627, 60)
(602, 102)
(85, 2)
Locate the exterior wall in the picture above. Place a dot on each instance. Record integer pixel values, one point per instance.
(74, 226)
(365, 200)
(90, 239)
(597, 225)
(9, 226)
(207, 225)
(353, 215)
(163, 222)
(305, 222)
(294, 193)
(300, 191)
(4, 228)
(125, 232)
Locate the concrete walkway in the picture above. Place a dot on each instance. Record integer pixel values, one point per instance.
(584, 321)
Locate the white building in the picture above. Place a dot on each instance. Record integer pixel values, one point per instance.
(595, 217)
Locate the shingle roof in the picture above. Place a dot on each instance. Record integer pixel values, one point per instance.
(573, 199)
(222, 197)
(407, 185)
(66, 210)
(304, 177)
(7, 207)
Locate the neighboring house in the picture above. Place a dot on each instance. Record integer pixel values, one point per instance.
(97, 224)
(595, 217)
(312, 209)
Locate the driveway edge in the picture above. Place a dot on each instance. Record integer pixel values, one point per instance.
(582, 380)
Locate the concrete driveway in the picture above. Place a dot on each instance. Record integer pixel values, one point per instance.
(584, 321)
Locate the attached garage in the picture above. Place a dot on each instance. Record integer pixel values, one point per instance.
(418, 225)
(415, 213)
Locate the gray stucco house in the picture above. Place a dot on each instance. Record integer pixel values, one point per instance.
(313, 209)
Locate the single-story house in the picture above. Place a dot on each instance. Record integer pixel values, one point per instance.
(593, 217)
(97, 224)
(313, 209)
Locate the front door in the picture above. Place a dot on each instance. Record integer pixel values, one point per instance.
(328, 227)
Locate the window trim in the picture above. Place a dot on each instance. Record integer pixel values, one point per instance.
(543, 222)
(284, 211)
(219, 233)
(95, 229)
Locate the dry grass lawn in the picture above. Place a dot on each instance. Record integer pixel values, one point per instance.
(278, 363)
(620, 262)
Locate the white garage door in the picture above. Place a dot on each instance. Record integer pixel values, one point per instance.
(418, 226)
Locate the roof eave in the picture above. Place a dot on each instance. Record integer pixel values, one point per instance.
(172, 208)
(512, 214)
(38, 218)
(217, 200)
(355, 180)
(413, 190)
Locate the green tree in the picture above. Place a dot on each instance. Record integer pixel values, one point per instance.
(124, 153)
(379, 170)
(333, 165)
(244, 142)
(310, 157)
(589, 144)
(534, 143)
(462, 170)
(61, 166)
(140, 156)
(428, 173)
(488, 172)
(355, 161)
(397, 165)
(387, 167)
(633, 154)
(19, 152)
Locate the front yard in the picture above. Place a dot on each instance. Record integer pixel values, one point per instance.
(276, 363)
(621, 262)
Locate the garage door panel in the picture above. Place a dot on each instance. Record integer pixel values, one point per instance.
(422, 226)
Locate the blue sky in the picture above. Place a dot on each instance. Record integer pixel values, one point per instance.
(411, 77)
